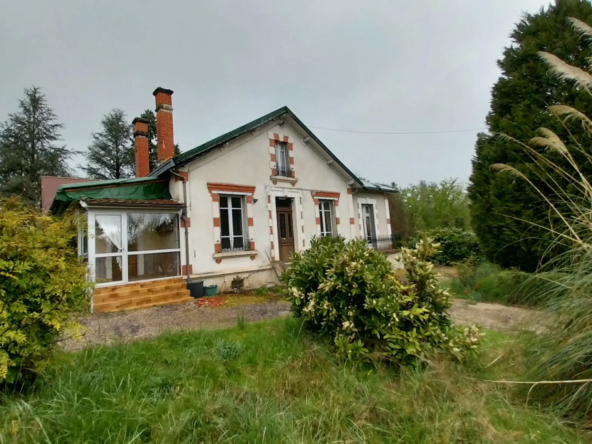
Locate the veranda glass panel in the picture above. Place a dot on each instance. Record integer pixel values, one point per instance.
(153, 266)
(108, 269)
(108, 237)
(152, 231)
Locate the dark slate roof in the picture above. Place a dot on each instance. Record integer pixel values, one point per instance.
(200, 150)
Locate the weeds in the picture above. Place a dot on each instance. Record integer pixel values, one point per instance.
(489, 283)
(269, 383)
(261, 291)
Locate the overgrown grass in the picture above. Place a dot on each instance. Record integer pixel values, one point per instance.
(268, 382)
(493, 284)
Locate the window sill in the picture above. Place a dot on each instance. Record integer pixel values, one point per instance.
(283, 179)
(229, 254)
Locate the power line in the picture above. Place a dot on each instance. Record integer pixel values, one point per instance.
(399, 133)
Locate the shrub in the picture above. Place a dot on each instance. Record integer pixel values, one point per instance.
(467, 272)
(42, 282)
(261, 291)
(456, 244)
(489, 283)
(349, 293)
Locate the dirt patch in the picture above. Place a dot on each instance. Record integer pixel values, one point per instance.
(491, 316)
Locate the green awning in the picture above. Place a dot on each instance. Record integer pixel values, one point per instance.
(137, 188)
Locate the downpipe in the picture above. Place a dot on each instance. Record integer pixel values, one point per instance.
(184, 217)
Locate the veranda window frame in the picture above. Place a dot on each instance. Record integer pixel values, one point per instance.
(124, 252)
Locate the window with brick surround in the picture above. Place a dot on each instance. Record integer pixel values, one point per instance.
(233, 223)
(282, 159)
(326, 215)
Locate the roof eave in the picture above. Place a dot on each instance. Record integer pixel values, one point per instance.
(163, 168)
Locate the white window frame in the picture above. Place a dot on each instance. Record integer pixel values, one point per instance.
(231, 235)
(326, 212)
(123, 253)
(282, 159)
(371, 212)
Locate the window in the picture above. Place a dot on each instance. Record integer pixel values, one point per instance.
(232, 223)
(153, 245)
(131, 247)
(368, 226)
(282, 159)
(326, 216)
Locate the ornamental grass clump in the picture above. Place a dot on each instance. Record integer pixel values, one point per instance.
(349, 293)
(559, 356)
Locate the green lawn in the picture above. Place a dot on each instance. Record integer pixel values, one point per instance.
(268, 382)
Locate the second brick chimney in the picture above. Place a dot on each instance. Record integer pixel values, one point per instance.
(141, 144)
(164, 124)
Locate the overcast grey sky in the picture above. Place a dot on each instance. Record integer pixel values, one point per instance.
(379, 65)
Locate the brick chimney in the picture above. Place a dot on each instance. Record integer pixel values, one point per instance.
(164, 124)
(141, 144)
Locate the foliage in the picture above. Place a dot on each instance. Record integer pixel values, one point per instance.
(487, 282)
(349, 293)
(284, 387)
(261, 291)
(456, 245)
(42, 282)
(111, 153)
(152, 141)
(505, 211)
(437, 205)
(467, 272)
(399, 214)
(29, 150)
(562, 351)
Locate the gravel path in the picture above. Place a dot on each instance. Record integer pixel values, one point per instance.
(137, 325)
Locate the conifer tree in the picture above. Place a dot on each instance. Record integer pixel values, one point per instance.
(505, 211)
(29, 148)
(111, 153)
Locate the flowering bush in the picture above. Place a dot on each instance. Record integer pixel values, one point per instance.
(348, 292)
(42, 282)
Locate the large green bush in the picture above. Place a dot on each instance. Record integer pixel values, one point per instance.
(510, 217)
(42, 282)
(350, 294)
(456, 244)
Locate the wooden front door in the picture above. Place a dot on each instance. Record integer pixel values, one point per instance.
(285, 232)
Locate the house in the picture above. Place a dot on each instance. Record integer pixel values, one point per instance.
(234, 206)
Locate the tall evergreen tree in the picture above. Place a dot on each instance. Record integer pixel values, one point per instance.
(152, 140)
(505, 210)
(29, 149)
(111, 153)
